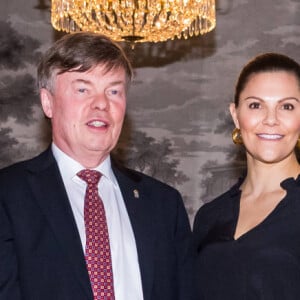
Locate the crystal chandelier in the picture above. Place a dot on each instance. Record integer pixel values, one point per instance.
(135, 20)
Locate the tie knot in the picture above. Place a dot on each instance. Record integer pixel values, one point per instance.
(91, 177)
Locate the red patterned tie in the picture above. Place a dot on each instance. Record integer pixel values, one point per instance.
(97, 249)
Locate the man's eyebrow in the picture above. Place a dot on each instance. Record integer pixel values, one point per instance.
(81, 81)
(117, 82)
(89, 82)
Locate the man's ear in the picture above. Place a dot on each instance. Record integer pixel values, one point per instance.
(233, 113)
(47, 102)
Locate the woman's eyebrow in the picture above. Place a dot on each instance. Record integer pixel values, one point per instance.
(280, 100)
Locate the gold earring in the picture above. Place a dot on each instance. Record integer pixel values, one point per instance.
(237, 137)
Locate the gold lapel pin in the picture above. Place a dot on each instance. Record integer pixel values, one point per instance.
(136, 194)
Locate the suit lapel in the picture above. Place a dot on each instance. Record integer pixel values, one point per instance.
(50, 195)
(140, 213)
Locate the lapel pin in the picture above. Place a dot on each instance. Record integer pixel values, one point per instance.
(136, 194)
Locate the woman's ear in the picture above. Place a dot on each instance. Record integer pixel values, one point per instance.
(47, 102)
(233, 112)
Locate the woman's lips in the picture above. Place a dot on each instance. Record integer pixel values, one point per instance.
(267, 136)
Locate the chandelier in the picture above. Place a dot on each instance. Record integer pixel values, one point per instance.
(135, 20)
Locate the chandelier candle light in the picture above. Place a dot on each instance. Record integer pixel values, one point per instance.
(135, 20)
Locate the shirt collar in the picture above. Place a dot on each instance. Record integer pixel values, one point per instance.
(71, 167)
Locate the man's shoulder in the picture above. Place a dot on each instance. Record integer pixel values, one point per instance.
(31, 163)
(140, 178)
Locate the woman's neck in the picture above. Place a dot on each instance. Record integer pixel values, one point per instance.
(262, 177)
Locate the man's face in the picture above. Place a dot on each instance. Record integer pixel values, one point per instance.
(87, 111)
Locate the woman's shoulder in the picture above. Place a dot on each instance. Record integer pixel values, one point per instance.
(212, 219)
(222, 200)
(212, 210)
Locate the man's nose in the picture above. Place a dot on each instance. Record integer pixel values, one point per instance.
(100, 101)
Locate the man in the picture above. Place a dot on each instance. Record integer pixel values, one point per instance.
(55, 220)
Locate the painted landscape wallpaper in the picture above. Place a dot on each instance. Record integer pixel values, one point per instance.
(178, 127)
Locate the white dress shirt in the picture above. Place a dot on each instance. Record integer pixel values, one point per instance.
(126, 272)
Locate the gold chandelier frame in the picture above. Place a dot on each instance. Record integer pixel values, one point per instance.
(135, 20)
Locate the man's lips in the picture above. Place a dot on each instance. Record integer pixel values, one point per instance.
(97, 123)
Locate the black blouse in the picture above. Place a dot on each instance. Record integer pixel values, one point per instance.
(262, 264)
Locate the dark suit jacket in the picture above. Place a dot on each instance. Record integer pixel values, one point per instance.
(41, 256)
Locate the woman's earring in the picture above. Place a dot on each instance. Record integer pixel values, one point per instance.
(237, 137)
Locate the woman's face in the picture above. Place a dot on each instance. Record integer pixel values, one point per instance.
(268, 116)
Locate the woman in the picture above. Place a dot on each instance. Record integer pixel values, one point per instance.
(248, 239)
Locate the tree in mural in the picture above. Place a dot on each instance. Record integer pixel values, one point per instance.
(16, 50)
(235, 153)
(17, 90)
(143, 153)
(18, 97)
(219, 177)
(7, 147)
